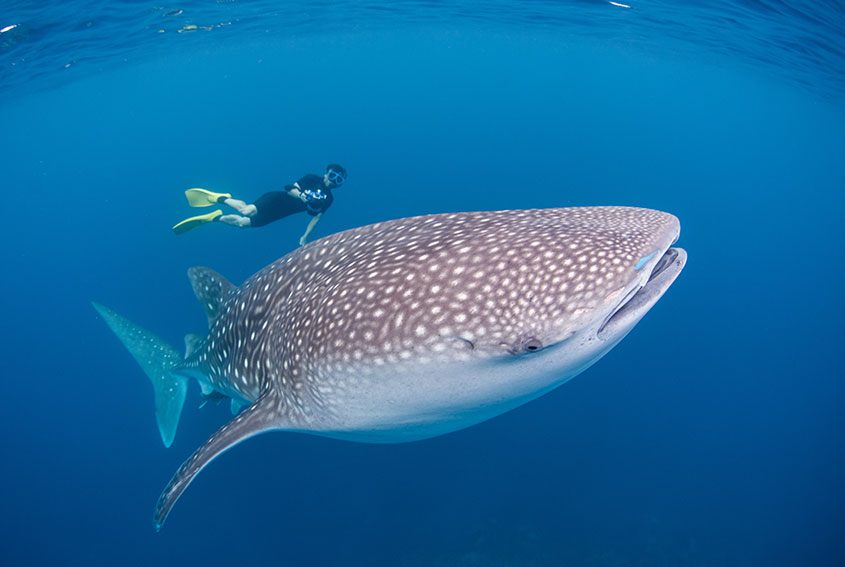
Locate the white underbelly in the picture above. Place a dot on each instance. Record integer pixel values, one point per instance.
(411, 403)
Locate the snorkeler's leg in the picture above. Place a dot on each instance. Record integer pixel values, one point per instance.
(240, 206)
(234, 220)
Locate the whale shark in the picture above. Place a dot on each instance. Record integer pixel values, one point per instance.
(410, 328)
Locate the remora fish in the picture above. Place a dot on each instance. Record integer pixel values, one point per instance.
(410, 328)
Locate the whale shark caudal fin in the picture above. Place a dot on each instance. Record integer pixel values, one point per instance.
(157, 359)
(257, 418)
(212, 289)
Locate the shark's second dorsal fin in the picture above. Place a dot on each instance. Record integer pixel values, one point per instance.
(211, 289)
(192, 344)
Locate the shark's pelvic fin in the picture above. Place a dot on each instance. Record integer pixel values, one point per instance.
(257, 418)
(157, 358)
(211, 289)
(235, 406)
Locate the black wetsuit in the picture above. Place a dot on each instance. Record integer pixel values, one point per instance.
(275, 205)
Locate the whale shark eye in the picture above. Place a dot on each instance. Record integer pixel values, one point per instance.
(531, 344)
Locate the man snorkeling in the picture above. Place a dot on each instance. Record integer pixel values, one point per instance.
(311, 194)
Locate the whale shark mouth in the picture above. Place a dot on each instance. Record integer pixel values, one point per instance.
(639, 300)
(663, 264)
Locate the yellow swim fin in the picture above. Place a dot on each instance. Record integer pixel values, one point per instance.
(201, 198)
(193, 222)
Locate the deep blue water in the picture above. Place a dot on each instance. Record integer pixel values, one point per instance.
(712, 435)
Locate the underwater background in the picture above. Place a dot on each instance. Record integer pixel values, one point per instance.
(714, 434)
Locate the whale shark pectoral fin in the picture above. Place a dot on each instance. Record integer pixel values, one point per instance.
(260, 417)
(211, 289)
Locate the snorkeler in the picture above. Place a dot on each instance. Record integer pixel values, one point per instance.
(311, 194)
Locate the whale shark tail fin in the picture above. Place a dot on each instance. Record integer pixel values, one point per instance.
(158, 360)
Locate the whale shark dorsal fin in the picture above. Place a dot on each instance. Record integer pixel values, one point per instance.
(211, 289)
(260, 417)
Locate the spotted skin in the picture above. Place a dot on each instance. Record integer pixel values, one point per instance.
(414, 327)
(423, 290)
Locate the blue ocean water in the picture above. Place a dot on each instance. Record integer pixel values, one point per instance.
(712, 435)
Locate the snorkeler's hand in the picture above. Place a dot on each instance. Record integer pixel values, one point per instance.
(313, 196)
(302, 240)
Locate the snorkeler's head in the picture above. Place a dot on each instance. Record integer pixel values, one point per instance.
(335, 174)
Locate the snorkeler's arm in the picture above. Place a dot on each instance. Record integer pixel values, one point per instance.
(293, 191)
(311, 224)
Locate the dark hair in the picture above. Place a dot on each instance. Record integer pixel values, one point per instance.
(337, 168)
